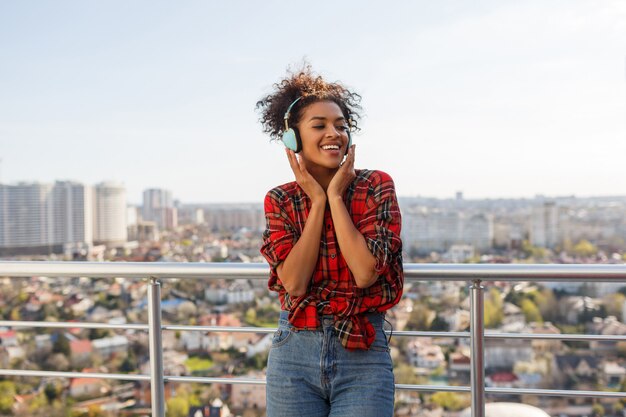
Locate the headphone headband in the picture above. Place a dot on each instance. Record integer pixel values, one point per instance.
(288, 112)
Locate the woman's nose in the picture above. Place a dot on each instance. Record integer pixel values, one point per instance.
(333, 132)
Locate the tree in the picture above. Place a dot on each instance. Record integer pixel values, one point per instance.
(439, 324)
(61, 345)
(449, 400)
(547, 304)
(177, 407)
(597, 410)
(494, 313)
(52, 392)
(531, 312)
(584, 248)
(405, 374)
(58, 362)
(7, 392)
(613, 304)
(420, 317)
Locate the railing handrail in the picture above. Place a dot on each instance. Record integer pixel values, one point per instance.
(473, 273)
(412, 271)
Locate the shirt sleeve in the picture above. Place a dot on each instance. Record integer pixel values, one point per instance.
(279, 236)
(381, 222)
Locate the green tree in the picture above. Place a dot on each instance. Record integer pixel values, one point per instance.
(405, 374)
(439, 324)
(597, 410)
(531, 312)
(613, 304)
(584, 248)
(52, 392)
(450, 401)
(494, 313)
(177, 407)
(61, 345)
(7, 392)
(420, 317)
(547, 304)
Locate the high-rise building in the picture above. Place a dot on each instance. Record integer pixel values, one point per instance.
(546, 230)
(43, 218)
(110, 214)
(158, 207)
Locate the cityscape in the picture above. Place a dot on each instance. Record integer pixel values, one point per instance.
(69, 220)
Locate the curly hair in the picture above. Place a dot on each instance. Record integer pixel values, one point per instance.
(312, 88)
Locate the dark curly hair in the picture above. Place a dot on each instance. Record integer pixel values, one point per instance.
(312, 88)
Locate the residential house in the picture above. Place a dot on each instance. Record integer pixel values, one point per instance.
(613, 374)
(216, 409)
(502, 354)
(459, 364)
(422, 353)
(259, 343)
(609, 326)
(87, 387)
(108, 347)
(544, 345)
(80, 352)
(8, 338)
(581, 371)
(244, 396)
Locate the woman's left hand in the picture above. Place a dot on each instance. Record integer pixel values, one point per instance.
(343, 177)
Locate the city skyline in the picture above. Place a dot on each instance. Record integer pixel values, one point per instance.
(138, 202)
(495, 99)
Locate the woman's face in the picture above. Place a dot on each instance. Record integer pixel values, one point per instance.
(324, 133)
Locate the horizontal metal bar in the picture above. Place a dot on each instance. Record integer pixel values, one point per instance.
(218, 329)
(252, 381)
(53, 374)
(414, 333)
(72, 325)
(560, 336)
(517, 272)
(207, 380)
(433, 388)
(431, 272)
(556, 392)
(134, 269)
(265, 330)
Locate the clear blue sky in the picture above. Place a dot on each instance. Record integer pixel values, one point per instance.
(497, 99)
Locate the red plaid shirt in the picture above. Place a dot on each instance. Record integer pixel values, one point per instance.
(372, 204)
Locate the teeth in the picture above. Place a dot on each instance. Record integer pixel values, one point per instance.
(328, 147)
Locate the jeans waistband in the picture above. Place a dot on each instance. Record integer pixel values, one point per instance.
(375, 318)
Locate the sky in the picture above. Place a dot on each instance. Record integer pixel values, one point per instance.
(492, 98)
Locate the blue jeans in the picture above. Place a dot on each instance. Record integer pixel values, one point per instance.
(310, 374)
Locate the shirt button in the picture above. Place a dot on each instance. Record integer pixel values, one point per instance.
(333, 256)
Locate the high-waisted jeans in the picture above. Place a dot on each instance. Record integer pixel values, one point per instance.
(310, 374)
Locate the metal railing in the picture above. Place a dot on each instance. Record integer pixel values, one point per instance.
(472, 273)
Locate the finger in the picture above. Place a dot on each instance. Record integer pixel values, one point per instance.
(302, 166)
(293, 163)
(348, 163)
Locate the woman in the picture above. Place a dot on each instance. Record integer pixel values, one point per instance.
(333, 244)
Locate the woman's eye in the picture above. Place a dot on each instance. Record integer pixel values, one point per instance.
(342, 128)
(318, 127)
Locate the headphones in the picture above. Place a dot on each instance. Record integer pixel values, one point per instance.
(291, 136)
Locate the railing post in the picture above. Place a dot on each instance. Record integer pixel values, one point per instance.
(477, 352)
(157, 389)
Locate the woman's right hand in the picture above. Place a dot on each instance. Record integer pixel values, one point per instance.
(305, 180)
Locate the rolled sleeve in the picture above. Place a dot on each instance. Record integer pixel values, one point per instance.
(279, 236)
(381, 222)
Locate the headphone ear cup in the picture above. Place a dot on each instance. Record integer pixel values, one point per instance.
(291, 139)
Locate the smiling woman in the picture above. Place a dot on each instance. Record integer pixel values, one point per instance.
(332, 240)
